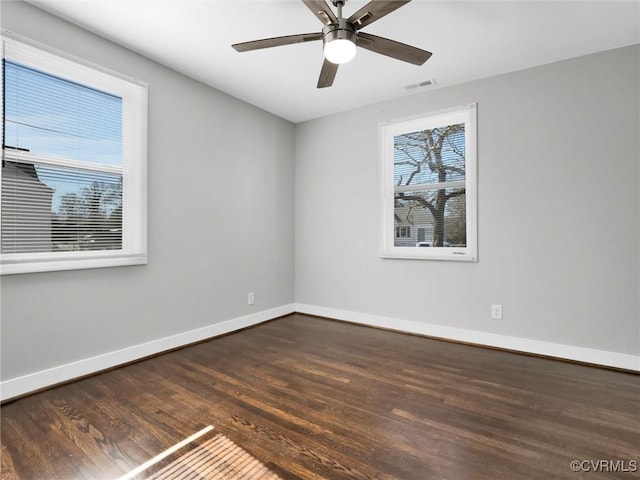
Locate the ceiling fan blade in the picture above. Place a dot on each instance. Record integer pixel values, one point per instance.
(393, 49)
(276, 41)
(373, 11)
(321, 10)
(327, 74)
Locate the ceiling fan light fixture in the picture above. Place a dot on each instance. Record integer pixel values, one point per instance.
(339, 51)
(339, 44)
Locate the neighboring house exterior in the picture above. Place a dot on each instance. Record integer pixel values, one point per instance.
(413, 224)
(26, 226)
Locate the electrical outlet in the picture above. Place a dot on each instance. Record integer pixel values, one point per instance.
(496, 312)
(251, 299)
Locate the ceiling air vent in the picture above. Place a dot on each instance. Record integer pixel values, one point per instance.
(423, 84)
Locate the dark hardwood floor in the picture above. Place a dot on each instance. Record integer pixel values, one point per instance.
(314, 398)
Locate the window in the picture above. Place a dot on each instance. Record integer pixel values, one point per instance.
(403, 232)
(73, 190)
(428, 172)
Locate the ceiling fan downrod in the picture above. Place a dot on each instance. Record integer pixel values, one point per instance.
(339, 4)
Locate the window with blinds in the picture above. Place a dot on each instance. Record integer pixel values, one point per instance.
(428, 176)
(73, 189)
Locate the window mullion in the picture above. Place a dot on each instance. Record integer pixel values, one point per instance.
(429, 186)
(27, 157)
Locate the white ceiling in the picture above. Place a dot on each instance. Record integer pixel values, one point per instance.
(469, 40)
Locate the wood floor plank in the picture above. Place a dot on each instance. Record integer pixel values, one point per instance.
(311, 398)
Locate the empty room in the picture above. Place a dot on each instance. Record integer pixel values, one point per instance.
(320, 239)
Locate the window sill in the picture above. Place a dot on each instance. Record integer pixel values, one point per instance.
(452, 255)
(9, 268)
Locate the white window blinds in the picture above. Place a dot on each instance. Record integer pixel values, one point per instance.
(73, 189)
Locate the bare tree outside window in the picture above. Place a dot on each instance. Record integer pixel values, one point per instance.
(432, 160)
(89, 219)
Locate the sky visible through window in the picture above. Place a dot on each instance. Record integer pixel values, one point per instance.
(51, 116)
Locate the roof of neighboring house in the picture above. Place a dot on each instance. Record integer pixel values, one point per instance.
(26, 168)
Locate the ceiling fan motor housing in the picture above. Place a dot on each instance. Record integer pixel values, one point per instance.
(343, 30)
(339, 41)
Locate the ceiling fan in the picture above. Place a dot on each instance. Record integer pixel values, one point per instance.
(340, 36)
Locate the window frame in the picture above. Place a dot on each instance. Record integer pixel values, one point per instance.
(387, 131)
(134, 94)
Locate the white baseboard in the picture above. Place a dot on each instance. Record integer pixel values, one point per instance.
(568, 352)
(15, 387)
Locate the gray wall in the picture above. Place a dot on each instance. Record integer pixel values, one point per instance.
(558, 209)
(220, 221)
